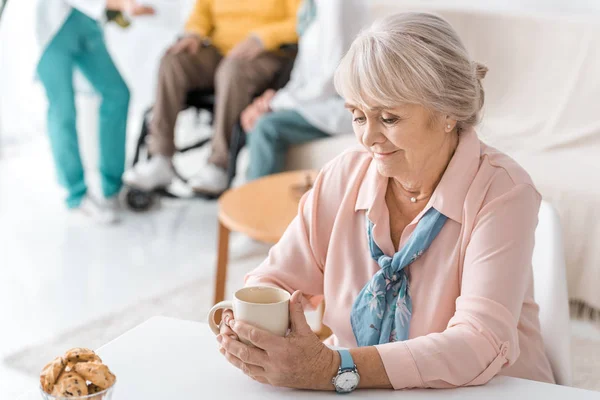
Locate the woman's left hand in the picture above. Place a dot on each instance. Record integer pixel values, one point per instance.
(298, 360)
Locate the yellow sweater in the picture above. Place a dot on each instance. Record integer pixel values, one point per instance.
(228, 22)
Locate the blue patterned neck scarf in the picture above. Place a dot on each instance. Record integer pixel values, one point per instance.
(306, 15)
(381, 312)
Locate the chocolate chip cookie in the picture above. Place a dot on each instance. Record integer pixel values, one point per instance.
(50, 373)
(80, 354)
(96, 372)
(70, 384)
(93, 389)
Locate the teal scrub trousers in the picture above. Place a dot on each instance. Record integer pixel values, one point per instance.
(80, 44)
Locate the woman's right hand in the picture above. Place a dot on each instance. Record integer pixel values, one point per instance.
(225, 329)
(259, 107)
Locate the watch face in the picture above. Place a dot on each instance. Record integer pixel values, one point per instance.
(346, 381)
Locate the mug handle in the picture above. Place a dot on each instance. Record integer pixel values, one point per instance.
(223, 305)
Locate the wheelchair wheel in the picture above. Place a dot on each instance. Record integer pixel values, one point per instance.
(139, 200)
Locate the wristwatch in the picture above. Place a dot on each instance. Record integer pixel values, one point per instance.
(347, 378)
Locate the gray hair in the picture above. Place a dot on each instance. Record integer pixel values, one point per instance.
(414, 58)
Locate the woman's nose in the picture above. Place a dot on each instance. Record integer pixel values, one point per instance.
(372, 135)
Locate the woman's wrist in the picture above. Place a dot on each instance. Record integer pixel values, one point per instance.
(330, 364)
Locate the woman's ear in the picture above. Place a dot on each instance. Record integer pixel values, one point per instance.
(449, 124)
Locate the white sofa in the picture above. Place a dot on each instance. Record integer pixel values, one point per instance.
(542, 108)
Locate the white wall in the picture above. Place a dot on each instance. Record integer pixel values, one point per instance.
(526, 6)
(137, 51)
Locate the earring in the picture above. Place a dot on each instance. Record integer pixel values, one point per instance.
(449, 126)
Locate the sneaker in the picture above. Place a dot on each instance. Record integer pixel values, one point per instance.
(154, 173)
(113, 205)
(211, 180)
(97, 211)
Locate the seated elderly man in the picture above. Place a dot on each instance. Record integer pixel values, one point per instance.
(231, 46)
(420, 244)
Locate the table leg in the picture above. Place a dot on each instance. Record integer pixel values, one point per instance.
(222, 259)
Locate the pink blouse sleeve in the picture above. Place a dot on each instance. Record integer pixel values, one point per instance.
(295, 262)
(481, 337)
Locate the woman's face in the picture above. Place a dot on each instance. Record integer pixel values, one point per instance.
(403, 140)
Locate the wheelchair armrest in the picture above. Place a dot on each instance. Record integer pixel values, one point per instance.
(289, 47)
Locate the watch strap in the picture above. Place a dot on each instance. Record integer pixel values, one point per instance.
(347, 363)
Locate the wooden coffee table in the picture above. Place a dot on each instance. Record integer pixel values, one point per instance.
(261, 209)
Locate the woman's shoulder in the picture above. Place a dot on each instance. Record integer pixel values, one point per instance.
(345, 171)
(504, 174)
(347, 164)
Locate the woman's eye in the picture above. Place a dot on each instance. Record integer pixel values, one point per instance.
(359, 120)
(389, 121)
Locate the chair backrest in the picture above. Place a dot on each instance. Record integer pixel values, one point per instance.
(550, 292)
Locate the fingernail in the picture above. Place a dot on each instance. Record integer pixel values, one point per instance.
(219, 338)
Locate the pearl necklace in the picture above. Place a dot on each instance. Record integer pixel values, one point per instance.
(414, 199)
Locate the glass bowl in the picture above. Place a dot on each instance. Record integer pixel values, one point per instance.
(106, 394)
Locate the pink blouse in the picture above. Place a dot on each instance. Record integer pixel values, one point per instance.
(474, 315)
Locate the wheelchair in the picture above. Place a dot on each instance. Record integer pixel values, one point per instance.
(141, 200)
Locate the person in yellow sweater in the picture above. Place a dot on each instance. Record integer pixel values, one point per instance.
(229, 45)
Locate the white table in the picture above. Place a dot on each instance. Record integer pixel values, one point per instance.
(166, 358)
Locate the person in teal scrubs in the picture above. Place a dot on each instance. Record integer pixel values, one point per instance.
(79, 43)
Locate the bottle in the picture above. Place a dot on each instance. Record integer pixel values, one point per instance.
(118, 17)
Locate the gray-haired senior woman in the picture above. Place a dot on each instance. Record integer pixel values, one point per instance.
(425, 205)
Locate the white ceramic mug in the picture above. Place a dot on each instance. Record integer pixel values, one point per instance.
(265, 307)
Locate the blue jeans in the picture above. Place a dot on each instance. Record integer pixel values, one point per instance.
(80, 43)
(272, 136)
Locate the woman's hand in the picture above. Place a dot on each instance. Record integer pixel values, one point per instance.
(298, 360)
(264, 100)
(225, 330)
(257, 109)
